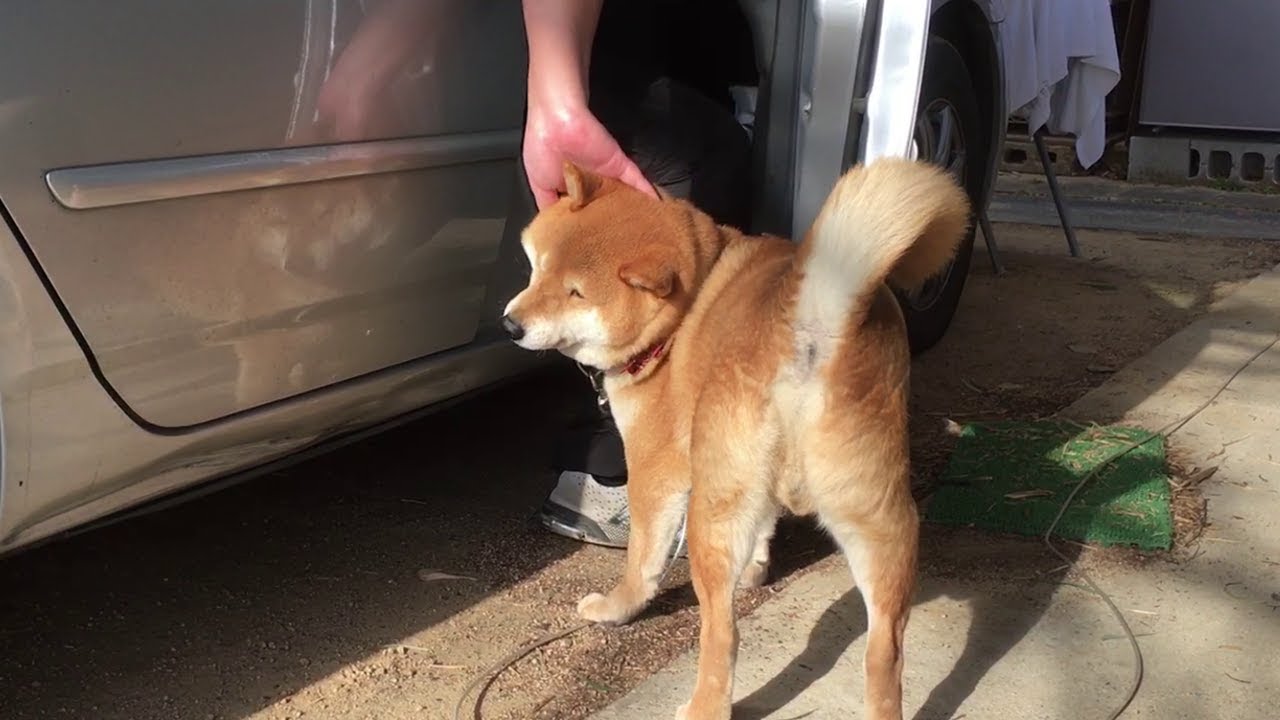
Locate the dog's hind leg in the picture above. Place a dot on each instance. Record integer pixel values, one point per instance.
(731, 515)
(657, 505)
(881, 549)
(722, 535)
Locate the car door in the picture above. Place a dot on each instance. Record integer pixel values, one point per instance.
(239, 201)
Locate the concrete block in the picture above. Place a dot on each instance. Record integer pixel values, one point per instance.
(1020, 155)
(1199, 160)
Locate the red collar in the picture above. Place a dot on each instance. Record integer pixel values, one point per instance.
(638, 363)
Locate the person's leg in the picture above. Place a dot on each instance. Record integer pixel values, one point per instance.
(691, 147)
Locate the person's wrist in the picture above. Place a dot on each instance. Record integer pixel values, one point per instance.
(554, 101)
(557, 84)
(555, 115)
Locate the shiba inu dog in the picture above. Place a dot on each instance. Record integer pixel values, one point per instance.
(750, 376)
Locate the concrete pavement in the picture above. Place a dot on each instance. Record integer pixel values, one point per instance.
(1135, 207)
(994, 636)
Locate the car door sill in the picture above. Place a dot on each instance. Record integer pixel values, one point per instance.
(127, 183)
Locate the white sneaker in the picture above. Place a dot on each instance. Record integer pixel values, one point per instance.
(581, 508)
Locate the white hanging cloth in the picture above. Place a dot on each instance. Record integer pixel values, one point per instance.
(1060, 62)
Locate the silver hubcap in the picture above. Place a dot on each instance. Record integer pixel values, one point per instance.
(939, 140)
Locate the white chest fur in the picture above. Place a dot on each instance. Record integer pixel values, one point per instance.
(623, 405)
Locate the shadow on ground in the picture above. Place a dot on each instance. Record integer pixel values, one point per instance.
(221, 606)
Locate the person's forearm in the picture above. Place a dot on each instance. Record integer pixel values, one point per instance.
(560, 34)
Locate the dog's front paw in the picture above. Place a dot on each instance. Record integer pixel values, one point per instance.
(683, 712)
(603, 609)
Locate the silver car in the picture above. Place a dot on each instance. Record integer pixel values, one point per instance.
(240, 232)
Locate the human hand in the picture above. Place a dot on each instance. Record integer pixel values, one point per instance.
(554, 135)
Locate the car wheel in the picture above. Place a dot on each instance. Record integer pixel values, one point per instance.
(949, 133)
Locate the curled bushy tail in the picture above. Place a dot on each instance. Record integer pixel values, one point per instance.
(896, 220)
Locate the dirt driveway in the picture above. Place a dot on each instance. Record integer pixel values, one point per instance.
(317, 592)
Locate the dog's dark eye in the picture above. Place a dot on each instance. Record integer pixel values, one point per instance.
(574, 292)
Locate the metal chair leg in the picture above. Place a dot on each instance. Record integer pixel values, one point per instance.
(1056, 192)
(989, 237)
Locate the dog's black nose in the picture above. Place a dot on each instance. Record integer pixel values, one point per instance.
(513, 328)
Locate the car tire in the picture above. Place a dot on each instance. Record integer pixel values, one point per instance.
(946, 96)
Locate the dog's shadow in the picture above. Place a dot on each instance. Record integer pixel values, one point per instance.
(835, 631)
(953, 564)
(996, 627)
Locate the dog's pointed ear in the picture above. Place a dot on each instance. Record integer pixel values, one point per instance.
(651, 272)
(581, 186)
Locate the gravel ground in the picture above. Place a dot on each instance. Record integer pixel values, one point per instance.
(317, 592)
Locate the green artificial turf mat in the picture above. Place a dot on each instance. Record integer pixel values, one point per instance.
(1014, 476)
